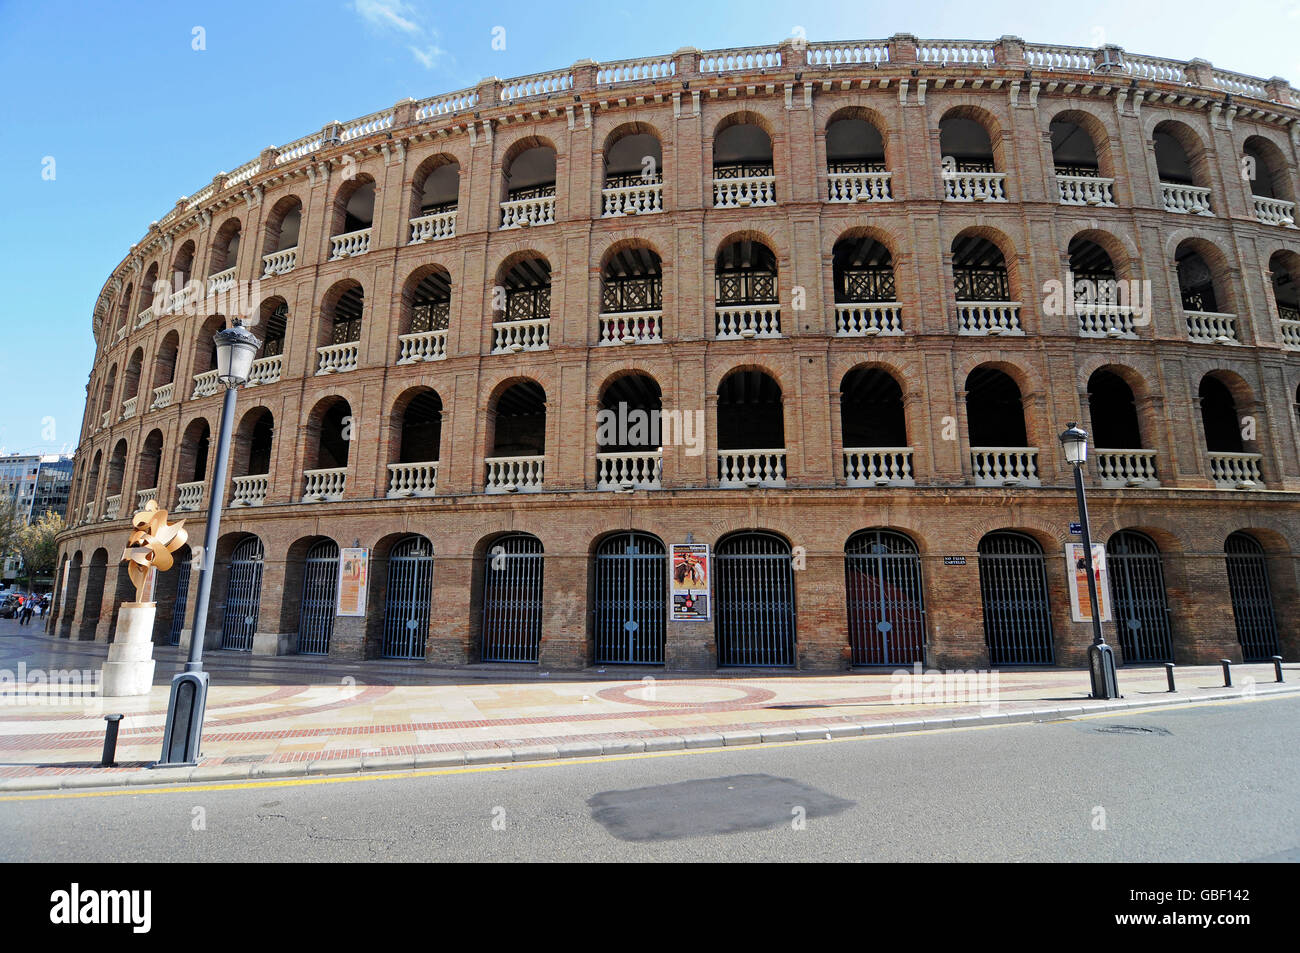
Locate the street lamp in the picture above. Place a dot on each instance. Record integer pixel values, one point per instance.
(236, 348)
(1101, 657)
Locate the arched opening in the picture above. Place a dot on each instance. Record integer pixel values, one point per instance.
(1183, 169)
(343, 311)
(205, 357)
(1271, 187)
(149, 289)
(886, 608)
(971, 163)
(755, 625)
(273, 326)
(147, 468)
(93, 600)
(995, 421)
(243, 595)
(68, 614)
(251, 465)
(1013, 589)
(1121, 459)
(280, 245)
(164, 371)
(1284, 272)
(631, 296)
(873, 429)
(629, 441)
(1102, 304)
(92, 485)
(1080, 176)
(1140, 607)
(522, 317)
(131, 384)
(866, 297)
(116, 473)
(354, 208)
(751, 430)
(408, 592)
(1219, 417)
(630, 596)
(425, 316)
(417, 434)
(634, 174)
(528, 185)
(183, 265)
(435, 191)
(329, 438)
(1252, 597)
(745, 290)
(518, 423)
(512, 599)
(855, 160)
(743, 175)
(192, 466)
(225, 251)
(174, 594)
(983, 288)
(320, 579)
(1196, 280)
(124, 309)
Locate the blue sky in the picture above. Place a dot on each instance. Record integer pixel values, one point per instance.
(134, 117)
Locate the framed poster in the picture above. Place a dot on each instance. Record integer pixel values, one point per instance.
(1080, 606)
(688, 592)
(354, 577)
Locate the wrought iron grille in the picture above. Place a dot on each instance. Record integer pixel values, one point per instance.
(346, 330)
(529, 304)
(882, 580)
(631, 583)
(437, 209)
(320, 580)
(746, 287)
(1252, 597)
(430, 316)
(975, 165)
(1196, 301)
(1013, 587)
(180, 602)
(512, 600)
(243, 596)
(406, 606)
(619, 295)
(1288, 314)
(1137, 588)
(847, 167)
(1086, 171)
(740, 170)
(869, 284)
(630, 179)
(531, 192)
(981, 284)
(755, 600)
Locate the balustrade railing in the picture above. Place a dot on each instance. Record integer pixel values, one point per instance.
(1290, 333)
(1105, 320)
(878, 466)
(162, 396)
(337, 358)
(1185, 199)
(988, 317)
(265, 370)
(279, 262)
(350, 244)
(249, 490)
(189, 496)
(1086, 190)
(868, 319)
(112, 507)
(751, 468)
(324, 486)
(88, 514)
(128, 407)
(741, 322)
(421, 346)
(1274, 211)
(142, 497)
(525, 213)
(632, 199)
(1005, 466)
(105, 419)
(641, 470)
(434, 227)
(1236, 471)
(631, 327)
(975, 186)
(205, 384)
(121, 332)
(221, 281)
(744, 191)
(144, 317)
(1126, 468)
(412, 479)
(514, 474)
(511, 337)
(859, 187)
(1211, 327)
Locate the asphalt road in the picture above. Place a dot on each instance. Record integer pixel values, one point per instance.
(1215, 782)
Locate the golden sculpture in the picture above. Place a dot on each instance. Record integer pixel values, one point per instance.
(151, 545)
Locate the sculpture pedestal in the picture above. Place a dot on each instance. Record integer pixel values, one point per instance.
(129, 669)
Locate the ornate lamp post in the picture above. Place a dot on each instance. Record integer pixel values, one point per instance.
(236, 348)
(1101, 657)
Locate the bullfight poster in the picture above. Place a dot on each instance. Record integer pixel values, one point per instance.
(689, 594)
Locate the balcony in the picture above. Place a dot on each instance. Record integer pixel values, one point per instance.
(433, 227)
(1289, 318)
(88, 514)
(527, 212)
(514, 474)
(511, 337)
(412, 479)
(1086, 190)
(644, 198)
(751, 468)
(205, 385)
(988, 317)
(324, 486)
(221, 281)
(144, 317)
(878, 466)
(265, 370)
(189, 496)
(1126, 468)
(1274, 211)
(1210, 327)
(1236, 471)
(128, 407)
(1005, 466)
(743, 322)
(974, 186)
(350, 244)
(744, 191)
(121, 334)
(279, 262)
(422, 346)
(112, 507)
(859, 187)
(868, 319)
(630, 471)
(162, 396)
(631, 327)
(105, 419)
(249, 490)
(1105, 320)
(1185, 199)
(143, 497)
(337, 358)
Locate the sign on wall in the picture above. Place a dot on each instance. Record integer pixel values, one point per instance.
(354, 577)
(1077, 573)
(688, 594)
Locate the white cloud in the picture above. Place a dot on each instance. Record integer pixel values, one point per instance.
(387, 13)
(427, 56)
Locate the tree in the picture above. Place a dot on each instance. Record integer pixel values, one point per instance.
(37, 544)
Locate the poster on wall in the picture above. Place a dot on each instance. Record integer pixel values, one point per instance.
(354, 576)
(1076, 571)
(688, 595)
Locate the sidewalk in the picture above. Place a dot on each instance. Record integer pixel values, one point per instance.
(278, 717)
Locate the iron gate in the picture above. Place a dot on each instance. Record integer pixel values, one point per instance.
(1013, 587)
(406, 609)
(243, 596)
(1252, 599)
(512, 599)
(320, 582)
(882, 582)
(1137, 595)
(182, 597)
(755, 599)
(631, 600)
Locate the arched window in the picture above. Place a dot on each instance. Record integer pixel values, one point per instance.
(528, 176)
(426, 315)
(1119, 452)
(1183, 169)
(192, 467)
(418, 435)
(522, 315)
(329, 437)
(164, 371)
(873, 429)
(631, 297)
(1272, 190)
(354, 214)
(1284, 271)
(252, 458)
(518, 416)
(995, 418)
(866, 297)
(630, 583)
(147, 468)
(1103, 305)
(1080, 178)
(1229, 437)
(743, 175)
(280, 246)
(1013, 587)
(755, 625)
(983, 288)
(855, 160)
(629, 440)
(751, 431)
(971, 163)
(634, 174)
(746, 291)
(339, 335)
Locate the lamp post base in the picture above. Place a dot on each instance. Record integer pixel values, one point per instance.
(1101, 665)
(184, 731)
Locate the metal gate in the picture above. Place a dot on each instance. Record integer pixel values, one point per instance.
(406, 608)
(320, 582)
(1013, 587)
(1137, 591)
(243, 596)
(631, 599)
(512, 599)
(179, 604)
(755, 599)
(882, 582)
(1252, 599)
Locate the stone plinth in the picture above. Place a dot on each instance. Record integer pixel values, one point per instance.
(129, 668)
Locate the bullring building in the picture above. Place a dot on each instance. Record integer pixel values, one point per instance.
(821, 307)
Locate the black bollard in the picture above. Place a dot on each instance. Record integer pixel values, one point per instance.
(110, 741)
(1169, 674)
(1277, 667)
(1227, 671)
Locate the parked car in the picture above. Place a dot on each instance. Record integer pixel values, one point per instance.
(9, 608)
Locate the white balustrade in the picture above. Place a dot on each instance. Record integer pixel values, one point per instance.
(221, 281)
(189, 496)
(350, 244)
(88, 514)
(1005, 466)
(988, 317)
(446, 104)
(745, 191)
(751, 468)
(538, 84)
(1086, 190)
(162, 396)
(144, 317)
(434, 227)
(975, 186)
(1126, 468)
(142, 497)
(1211, 326)
(1290, 333)
(105, 419)
(324, 486)
(337, 358)
(205, 385)
(422, 346)
(128, 407)
(750, 59)
(279, 262)
(631, 327)
(955, 52)
(511, 337)
(265, 370)
(1185, 199)
(866, 53)
(867, 319)
(412, 479)
(121, 333)
(514, 474)
(524, 213)
(859, 187)
(647, 68)
(878, 466)
(112, 506)
(737, 322)
(1236, 471)
(642, 470)
(249, 490)
(632, 199)
(1105, 320)
(1275, 211)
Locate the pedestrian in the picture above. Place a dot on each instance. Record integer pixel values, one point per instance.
(26, 613)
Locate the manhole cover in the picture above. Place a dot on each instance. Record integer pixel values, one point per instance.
(1132, 730)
